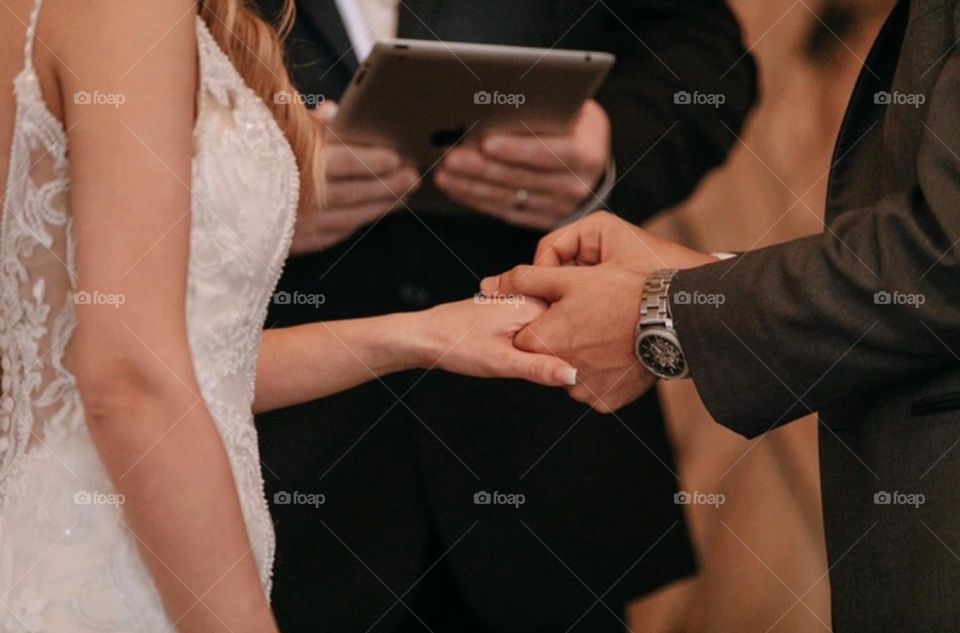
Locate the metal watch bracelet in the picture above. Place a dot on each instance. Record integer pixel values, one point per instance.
(655, 302)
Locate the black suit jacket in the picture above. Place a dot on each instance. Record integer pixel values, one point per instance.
(863, 324)
(400, 460)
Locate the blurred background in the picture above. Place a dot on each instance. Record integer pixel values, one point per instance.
(762, 557)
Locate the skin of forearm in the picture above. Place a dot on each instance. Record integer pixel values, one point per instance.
(306, 362)
(166, 457)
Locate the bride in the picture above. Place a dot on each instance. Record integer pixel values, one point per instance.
(152, 186)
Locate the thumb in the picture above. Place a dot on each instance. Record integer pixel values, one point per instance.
(541, 369)
(536, 281)
(326, 112)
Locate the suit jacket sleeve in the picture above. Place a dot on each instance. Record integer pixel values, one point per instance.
(664, 47)
(802, 325)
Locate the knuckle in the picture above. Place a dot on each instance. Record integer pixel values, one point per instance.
(580, 394)
(449, 182)
(473, 163)
(398, 182)
(460, 186)
(601, 406)
(576, 189)
(508, 280)
(538, 369)
(518, 271)
(505, 146)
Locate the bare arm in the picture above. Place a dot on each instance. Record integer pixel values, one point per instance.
(130, 196)
(472, 337)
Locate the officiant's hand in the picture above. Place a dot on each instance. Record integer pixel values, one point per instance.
(535, 181)
(596, 304)
(364, 183)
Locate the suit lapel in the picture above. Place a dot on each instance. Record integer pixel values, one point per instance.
(858, 142)
(326, 19)
(928, 38)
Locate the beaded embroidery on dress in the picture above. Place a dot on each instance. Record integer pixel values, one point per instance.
(68, 564)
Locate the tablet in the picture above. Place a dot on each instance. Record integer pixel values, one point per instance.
(421, 97)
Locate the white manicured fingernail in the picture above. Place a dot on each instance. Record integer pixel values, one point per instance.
(568, 375)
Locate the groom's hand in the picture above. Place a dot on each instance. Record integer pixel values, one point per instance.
(590, 324)
(604, 238)
(593, 272)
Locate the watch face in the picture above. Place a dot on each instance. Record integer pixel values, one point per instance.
(661, 354)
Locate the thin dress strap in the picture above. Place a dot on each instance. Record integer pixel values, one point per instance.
(31, 34)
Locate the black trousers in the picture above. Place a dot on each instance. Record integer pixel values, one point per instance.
(399, 546)
(437, 606)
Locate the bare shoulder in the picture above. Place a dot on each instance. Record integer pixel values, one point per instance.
(102, 45)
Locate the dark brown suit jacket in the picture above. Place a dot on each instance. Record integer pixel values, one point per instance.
(862, 323)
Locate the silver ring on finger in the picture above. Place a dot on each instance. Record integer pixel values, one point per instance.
(523, 200)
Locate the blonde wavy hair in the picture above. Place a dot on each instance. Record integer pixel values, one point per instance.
(255, 48)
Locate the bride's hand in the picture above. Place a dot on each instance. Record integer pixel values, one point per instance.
(474, 337)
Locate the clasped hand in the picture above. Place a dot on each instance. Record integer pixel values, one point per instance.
(592, 273)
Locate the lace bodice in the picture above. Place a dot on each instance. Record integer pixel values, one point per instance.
(244, 196)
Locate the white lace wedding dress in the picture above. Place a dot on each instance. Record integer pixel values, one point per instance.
(68, 564)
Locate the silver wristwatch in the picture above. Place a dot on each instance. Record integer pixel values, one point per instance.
(658, 348)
